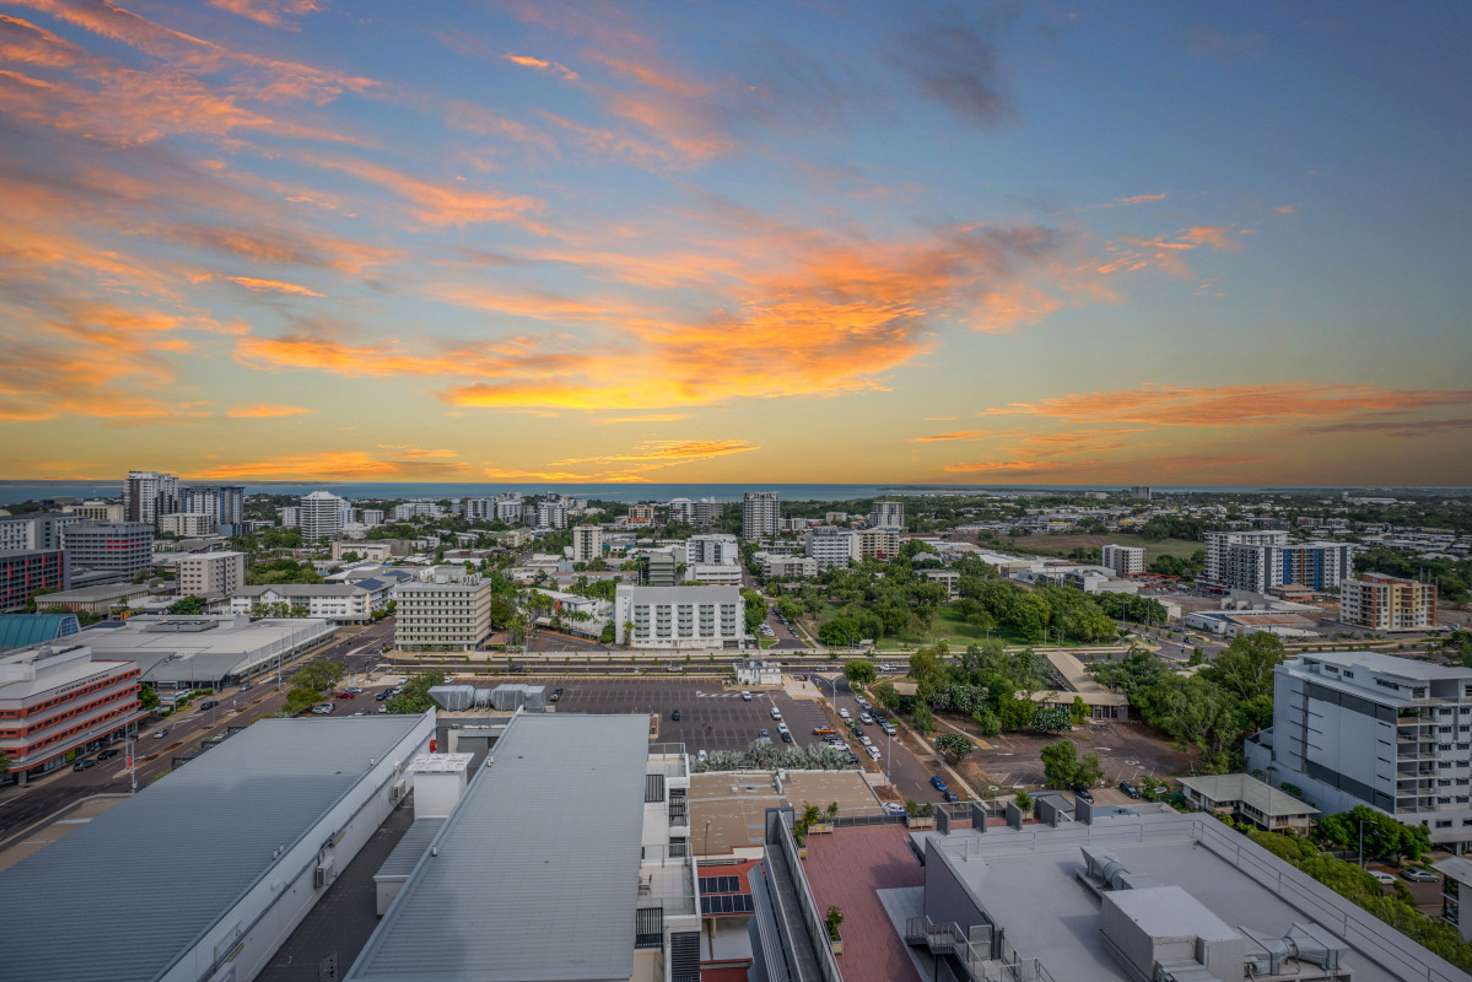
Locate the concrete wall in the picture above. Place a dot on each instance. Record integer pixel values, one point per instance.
(261, 922)
(946, 897)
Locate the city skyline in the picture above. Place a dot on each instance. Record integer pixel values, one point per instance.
(288, 240)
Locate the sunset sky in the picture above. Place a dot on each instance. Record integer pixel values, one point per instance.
(1180, 243)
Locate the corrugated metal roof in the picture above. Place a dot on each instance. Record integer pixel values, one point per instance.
(146, 879)
(24, 630)
(537, 872)
(414, 844)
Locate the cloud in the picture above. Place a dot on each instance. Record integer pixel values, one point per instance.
(1233, 405)
(272, 13)
(1134, 199)
(951, 437)
(1394, 427)
(281, 247)
(629, 467)
(267, 410)
(258, 285)
(435, 204)
(950, 61)
(645, 418)
(542, 65)
(1285, 209)
(1131, 254)
(538, 306)
(344, 465)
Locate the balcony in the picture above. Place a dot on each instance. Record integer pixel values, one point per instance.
(669, 886)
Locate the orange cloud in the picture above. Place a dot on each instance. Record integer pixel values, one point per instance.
(271, 13)
(258, 285)
(1141, 199)
(646, 418)
(951, 437)
(267, 410)
(539, 306)
(667, 452)
(283, 248)
(1133, 254)
(1241, 405)
(343, 465)
(434, 204)
(542, 65)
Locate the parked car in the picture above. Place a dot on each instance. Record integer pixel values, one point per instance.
(108, 754)
(383, 695)
(745, 696)
(938, 783)
(782, 728)
(865, 718)
(343, 694)
(675, 715)
(873, 752)
(83, 765)
(208, 704)
(862, 701)
(324, 709)
(776, 713)
(556, 695)
(1381, 877)
(786, 736)
(1421, 875)
(845, 713)
(887, 727)
(1129, 789)
(353, 689)
(247, 686)
(1079, 791)
(160, 734)
(950, 795)
(765, 734)
(894, 808)
(866, 741)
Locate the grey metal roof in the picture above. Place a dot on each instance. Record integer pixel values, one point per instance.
(537, 872)
(415, 843)
(187, 848)
(1374, 661)
(681, 594)
(302, 590)
(1244, 787)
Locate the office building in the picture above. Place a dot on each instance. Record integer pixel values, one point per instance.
(642, 513)
(832, 547)
(40, 531)
(1388, 603)
(186, 524)
(587, 543)
(1218, 545)
(224, 503)
(881, 544)
(340, 603)
(96, 511)
(448, 610)
(1124, 560)
(659, 567)
(1361, 728)
(679, 617)
(320, 515)
(1260, 568)
(717, 574)
(211, 574)
(149, 494)
(124, 548)
(761, 515)
(567, 860)
(717, 549)
(204, 651)
(276, 813)
(778, 567)
(25, 574)
(57, 698)
(551, 514)
(887, 515)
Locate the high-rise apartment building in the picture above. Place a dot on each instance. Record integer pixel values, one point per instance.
(96, 511)
(290, 516)
(832, 547)
(713, 549)
(761, 514)
(320, 515)
(682, 510)
(41, 531)
(587, 543)
(1218, 544)
(679, 617)
(186, 524)
(1362, 728)
(224, 503)
(1141, 491)
(642, 513)
(125, 548)
(449, 610)
(478, 509)
(882, 544)
(1124, 560)
(660, 568)
(508, 508)
(887, 515)
(1387, 603)
(705, 513)
(149, 494)
(1259, 568)
(211, 574)
(552, 514)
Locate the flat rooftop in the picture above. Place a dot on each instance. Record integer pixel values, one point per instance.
(207, 649)
(228, 812)
(734, 803)
(1373, 661)
(1025, 880)
(536, 874)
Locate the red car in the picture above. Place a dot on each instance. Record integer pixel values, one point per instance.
(344, 694)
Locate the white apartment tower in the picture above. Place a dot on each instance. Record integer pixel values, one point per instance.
(887, 515)
(1259, 568)
(149, 494)
(1124, 560)
(714, 549)
(1361, 728)
(319, 515)
(208, 574)
(587, 543)
(761, 515)
(1387, 603)
(679, 616)
(1219, 543)
(552, 514)
(832, 547)
(450, 610)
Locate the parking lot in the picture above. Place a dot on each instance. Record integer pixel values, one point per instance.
(711, 717)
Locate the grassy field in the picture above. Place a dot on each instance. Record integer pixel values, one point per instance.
(1062, 545)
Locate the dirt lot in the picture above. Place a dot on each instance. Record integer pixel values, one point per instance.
(1128, 751)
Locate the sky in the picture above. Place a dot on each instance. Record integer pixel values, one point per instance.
(1067, 243)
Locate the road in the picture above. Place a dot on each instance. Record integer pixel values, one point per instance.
(908, 772)
(21, 807)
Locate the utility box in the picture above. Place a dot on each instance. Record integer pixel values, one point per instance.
(439, 783)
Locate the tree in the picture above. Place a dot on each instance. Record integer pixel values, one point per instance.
(953, 747)
(1384, 837)
(1063, 768)
(148, 697)
(188, 605)
(1023, 800)
(414, 697)
(860, 672)
(4, 762)
(923, 719)
(1245, 669)
(1078, 712)
(756, 610)
(606, 635)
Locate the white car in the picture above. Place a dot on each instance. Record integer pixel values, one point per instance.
(894, 808)
(866, 741)
(776, 713)
(845, 714)
(873, 752)
(745, 696)
(702, 756)
(865, 718)
(1381, 877)
(782, 728)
